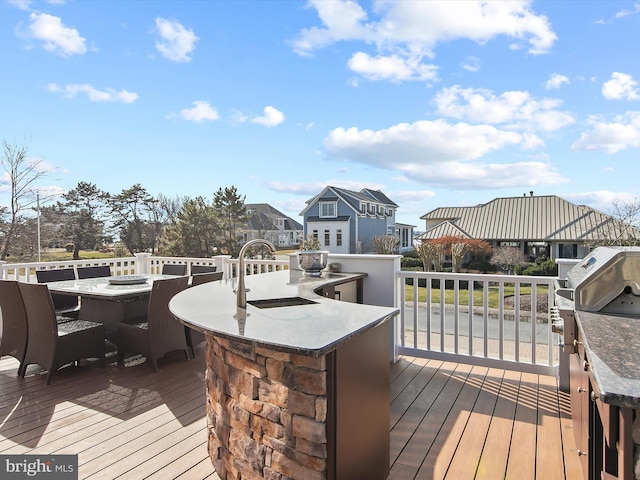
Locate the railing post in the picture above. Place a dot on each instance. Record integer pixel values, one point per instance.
(3, 264)
(222, 264)
(143, 263)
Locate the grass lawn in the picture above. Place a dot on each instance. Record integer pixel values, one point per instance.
(478, 300)
(60, 254)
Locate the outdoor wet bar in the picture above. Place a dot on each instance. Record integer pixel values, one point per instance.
(298, 382)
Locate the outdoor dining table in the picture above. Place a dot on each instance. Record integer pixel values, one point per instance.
(110, 300)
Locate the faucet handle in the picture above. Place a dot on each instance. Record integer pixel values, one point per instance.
(235, 290)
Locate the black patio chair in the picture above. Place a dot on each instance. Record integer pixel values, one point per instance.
(14, 322)
(200, 278)
(197, 269)
(67, 306)
(52, 344)
(159, 333)
(94, 272)
(174, 269)
(194, 337)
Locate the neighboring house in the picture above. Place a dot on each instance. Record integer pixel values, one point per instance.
(542, 225)
(268, 223)
(345, 221)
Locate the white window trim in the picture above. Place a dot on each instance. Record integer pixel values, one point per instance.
(335, 209)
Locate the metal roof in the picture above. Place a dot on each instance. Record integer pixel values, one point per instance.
(543, 218)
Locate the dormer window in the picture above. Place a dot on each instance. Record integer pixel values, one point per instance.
(328, 209)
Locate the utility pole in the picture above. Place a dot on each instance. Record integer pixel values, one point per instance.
(38, 209)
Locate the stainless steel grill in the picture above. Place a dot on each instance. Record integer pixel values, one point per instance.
(606, 281)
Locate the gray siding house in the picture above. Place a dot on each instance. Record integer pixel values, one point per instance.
(268, 223)
(538, 225)
(345, 221)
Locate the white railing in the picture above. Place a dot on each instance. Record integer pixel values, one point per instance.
(462, 326)
(141, 263)
(431, 324)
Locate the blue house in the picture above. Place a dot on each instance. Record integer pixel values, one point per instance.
(345, 221)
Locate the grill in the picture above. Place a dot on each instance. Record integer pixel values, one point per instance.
(606, 281)
(602, 294)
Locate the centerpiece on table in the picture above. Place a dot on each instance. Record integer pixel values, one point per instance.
(311, 260)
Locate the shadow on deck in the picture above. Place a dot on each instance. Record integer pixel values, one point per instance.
(447, 421)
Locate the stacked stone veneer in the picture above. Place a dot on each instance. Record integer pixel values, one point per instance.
(266, 412)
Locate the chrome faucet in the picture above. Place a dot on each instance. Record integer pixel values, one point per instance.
(241, 291)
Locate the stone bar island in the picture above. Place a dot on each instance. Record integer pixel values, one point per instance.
(297, 384)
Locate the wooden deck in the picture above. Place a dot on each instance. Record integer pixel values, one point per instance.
(447, 421)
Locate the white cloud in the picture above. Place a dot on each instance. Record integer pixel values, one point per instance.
(424, 141)
(471, 64)
(625, 12)
(406, 32)
(621, 133)
(272, 117)
(393, 68)
(200, 112)
(602, 200)
(440, 153)
(26, 4)
(313, 188)
(404, 196)
(176, 43)
(556, 81)
(621, 86)
(55, 37)
(513, 109)
(486, 176)
(94, 95)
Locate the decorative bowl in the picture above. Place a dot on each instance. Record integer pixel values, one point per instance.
(312, 262)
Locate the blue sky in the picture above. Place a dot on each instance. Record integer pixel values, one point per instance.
(434, 103)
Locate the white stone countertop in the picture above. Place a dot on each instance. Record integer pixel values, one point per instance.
(311, 330)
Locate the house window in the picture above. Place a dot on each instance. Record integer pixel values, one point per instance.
(339, 238)
(568, 250)
(328, 209)
(315, 234)
(327, 238)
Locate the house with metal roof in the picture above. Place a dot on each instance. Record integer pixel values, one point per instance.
(271, 224)
(345, 221)
(538, 225)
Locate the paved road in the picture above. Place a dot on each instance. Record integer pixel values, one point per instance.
(493, 327)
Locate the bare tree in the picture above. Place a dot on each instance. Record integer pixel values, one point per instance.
(21, 174)
(386, 244)
(506, 258)
(431, 255)
(622, 227)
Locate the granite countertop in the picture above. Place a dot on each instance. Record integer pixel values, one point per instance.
(311, 330)
(612, 346)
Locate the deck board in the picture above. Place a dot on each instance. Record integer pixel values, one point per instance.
(447, 421)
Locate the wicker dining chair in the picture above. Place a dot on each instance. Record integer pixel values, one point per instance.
(65, 305)
(52, 344)
(14, 322)
(197, 269)
(194, 337)
(200, 278)
(94, 272)
(174, 269)
(159, 333)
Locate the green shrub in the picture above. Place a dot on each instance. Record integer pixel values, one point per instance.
(547, 268)
(481, 266)
(410, 263)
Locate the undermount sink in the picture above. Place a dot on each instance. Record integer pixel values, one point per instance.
(280, 302)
